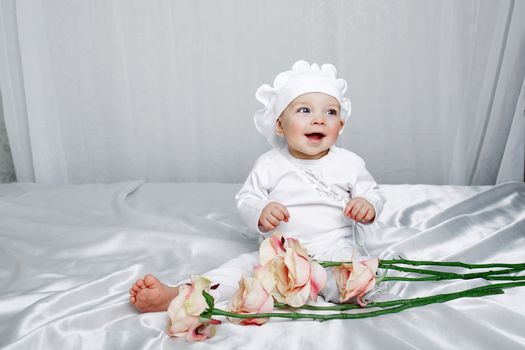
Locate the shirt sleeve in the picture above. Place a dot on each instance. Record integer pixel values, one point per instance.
(366, 187)
(253, 197)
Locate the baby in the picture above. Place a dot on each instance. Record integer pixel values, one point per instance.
(305, 187)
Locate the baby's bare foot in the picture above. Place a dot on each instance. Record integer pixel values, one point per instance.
(149, 294)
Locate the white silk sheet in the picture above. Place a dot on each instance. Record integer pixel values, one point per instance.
(70, 253)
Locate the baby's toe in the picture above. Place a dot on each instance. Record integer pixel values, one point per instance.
(139, 284)
(150, 280)
(134, 290)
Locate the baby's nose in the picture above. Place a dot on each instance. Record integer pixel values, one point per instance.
(318, 120)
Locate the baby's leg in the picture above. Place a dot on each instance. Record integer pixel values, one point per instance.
(149, 294)
(342, 250)
(229, 274)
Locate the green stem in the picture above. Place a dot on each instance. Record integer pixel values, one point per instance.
(382, 263)
(397, 305)
(450, 263)
(505, 278)
(326, 264)
(436, 278)
(336, 307)
(442, 275)
(383, 304)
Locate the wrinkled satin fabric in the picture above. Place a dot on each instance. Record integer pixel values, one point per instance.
(69, 255)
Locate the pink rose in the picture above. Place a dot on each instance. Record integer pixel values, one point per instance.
(356, 279)
(271, 247)
(185, 309)
(298, 278)
(253, 296)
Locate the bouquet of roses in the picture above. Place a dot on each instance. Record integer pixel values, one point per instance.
(287, 278)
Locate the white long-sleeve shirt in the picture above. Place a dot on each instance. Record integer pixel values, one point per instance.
(315, 192)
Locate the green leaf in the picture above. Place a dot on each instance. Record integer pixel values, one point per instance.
(206, 315)
(209, 299)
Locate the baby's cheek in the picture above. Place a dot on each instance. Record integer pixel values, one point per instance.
(296, 129)
(334, 133)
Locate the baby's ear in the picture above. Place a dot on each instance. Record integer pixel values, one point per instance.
(279, 128)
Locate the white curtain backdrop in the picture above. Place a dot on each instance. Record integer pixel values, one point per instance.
(113, 90)
(7, 173)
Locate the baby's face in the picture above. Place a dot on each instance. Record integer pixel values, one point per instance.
(310, 124)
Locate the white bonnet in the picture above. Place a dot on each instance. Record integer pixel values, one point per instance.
(301, 79)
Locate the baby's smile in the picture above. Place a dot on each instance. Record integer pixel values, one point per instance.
(315, 136)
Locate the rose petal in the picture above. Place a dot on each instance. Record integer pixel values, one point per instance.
(195, 303)
(267, 306)
(270, 248)
(281, 272)
(297, 247)
(298, 269)
(299, 297)
(184, 311)
(266, 276)
(201, 333)
(317, 279)
(250, 298)
(182, 326)
(372, 264)
(255, 296)
(277, 242)
(360, 281)
(266, 252)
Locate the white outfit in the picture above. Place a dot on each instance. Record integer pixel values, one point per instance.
(315, 192)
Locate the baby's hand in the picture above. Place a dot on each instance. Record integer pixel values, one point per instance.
(272, 215)
(360, 210)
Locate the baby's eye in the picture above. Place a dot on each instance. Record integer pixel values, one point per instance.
(332, 112)
(303, 110)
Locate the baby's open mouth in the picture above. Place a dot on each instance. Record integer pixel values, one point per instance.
(315, 136)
